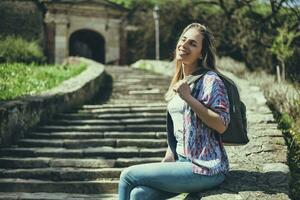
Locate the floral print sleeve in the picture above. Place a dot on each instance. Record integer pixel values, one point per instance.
(203, 145)
(213, 94)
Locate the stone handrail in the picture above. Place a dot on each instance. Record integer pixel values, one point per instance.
(18, 116)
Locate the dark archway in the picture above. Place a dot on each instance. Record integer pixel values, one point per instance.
(88, 44)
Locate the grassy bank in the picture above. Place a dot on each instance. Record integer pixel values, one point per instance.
(284, 101)
(19, 79)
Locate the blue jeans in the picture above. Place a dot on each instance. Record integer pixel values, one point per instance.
(156, 181)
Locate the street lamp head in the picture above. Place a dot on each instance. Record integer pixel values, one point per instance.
(156, 12)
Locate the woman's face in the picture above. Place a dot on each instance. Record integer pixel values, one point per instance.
(189, 47)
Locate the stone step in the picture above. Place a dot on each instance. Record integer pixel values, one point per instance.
(126, 162)
(46, 162)
(132, 76)
(133, 101)
(82, 187)
(55, 196)
(89, 106)
(141, 75)
(57, 173)
(94, 135)
(85, 143)
(124, 110)
(143, 121)
(140, 78)
(150, 89)
(93, 128)
(142, 91)
(119, 81)
(62, 174)
(109, 116)
(140, 98)
(145, 87)
(137, 92)
(106, 152)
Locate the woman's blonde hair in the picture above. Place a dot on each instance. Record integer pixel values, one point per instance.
(208, 59)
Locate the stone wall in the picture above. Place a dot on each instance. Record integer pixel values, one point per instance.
(17, 117)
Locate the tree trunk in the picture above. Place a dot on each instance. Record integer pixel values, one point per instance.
(278, 73)
(283, 70)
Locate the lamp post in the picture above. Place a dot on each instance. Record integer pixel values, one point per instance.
(156, 20)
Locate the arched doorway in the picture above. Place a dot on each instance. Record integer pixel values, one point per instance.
(88, 44)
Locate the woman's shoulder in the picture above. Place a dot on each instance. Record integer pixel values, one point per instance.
(211, 76)
(211, 73)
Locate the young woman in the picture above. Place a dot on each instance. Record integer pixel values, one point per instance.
(195, 159)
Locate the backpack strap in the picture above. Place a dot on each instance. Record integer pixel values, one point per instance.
(196, 75)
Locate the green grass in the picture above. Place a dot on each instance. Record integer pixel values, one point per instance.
(18, 79)
(284, 100)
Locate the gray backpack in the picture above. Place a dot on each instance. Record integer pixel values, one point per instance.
(236, 133)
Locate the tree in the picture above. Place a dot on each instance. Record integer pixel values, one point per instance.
(281, 46)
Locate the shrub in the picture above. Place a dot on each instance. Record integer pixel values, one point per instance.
(286, 122)
(16, 49)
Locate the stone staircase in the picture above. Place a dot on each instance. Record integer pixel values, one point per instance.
(80, 154)
(84, 151)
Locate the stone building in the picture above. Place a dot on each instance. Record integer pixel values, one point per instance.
(90, 28)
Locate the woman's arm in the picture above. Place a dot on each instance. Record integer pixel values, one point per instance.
(214, 94)
(209, 117)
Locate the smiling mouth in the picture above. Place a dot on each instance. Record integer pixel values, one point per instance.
(182, 53)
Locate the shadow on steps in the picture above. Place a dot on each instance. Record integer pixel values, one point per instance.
(240, 184)
(105, 91)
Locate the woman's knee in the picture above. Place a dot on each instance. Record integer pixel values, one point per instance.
(125, 174)
(128, 176)
(149, 193)
(137, 194)
(144, 193)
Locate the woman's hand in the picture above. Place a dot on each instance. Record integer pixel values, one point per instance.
(168, 159)
(183, 89)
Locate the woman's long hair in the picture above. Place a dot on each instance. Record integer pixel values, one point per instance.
(208, 59)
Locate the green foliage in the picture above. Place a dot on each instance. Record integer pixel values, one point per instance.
(16, 49)
(18, 79)
(281, 46)
(243, 30)
(124, 3)
(286, 122)
(22, 18)
(261, 8)
(133, 3)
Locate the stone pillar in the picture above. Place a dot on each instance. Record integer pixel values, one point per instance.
(49, 36)
(112, 42)
(123, 43)
(60, 41)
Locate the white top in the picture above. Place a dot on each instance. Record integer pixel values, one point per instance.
(175, 108)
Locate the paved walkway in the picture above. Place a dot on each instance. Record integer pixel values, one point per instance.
(81, 154)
